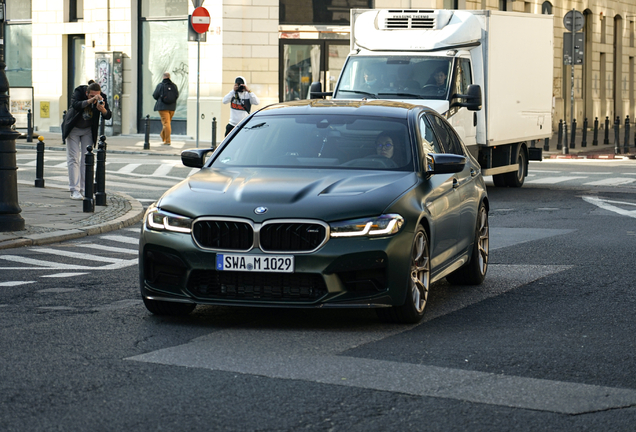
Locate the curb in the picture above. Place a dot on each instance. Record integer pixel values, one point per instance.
(592, 156)
(109, 151)
(132, 216)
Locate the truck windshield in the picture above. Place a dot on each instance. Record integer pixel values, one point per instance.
(395, 77)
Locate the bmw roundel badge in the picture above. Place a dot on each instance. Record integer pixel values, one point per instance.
(260, 210)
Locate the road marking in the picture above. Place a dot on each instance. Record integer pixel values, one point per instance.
(63, 275)
(553, 180)
(57, 290)
(612, 181)
(607, 205)
(163, 170)
(121, 239)
(78, 255)
(109, 248)
(504, 237)
(128, 168)
(45, 265)
(15, 283)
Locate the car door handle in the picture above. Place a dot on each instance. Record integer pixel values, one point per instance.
(473, 172)
(455, 183)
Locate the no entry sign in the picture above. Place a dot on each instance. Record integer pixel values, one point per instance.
(200, 20)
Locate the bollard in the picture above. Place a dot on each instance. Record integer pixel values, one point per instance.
(617, 138)
(606, 140)
(63, 118)
(595, 136)
(626, 142)
(89, 202)
(39, 163)
(565, 144)
(560, 135)
(572, 141)
(546, 144)
(100, 173)
(29, 137)
(214, 133)
(147, 137)
(102, 125)
(584, 132)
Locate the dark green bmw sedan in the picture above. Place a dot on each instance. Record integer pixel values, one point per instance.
(320, 203)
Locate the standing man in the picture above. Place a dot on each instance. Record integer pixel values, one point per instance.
(80, 131)
(166, 95)
(242, 100)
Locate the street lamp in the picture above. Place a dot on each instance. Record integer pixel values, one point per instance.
(10, 219)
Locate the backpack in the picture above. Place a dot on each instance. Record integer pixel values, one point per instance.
(169, 94)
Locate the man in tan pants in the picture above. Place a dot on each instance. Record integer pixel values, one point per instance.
(166, 94)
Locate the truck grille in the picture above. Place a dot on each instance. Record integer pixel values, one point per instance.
(291, 237)
(221, 285)
(225, 235)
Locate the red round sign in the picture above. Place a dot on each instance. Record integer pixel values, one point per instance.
(200, 20)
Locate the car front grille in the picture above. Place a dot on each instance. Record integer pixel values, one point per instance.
(229, 285)
(291, 237)
(223, 234)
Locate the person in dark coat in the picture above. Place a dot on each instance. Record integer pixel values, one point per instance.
(80, 131)
(166, 109)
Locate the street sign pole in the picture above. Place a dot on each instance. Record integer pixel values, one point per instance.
(198, 75)
(200, 23)
(571, 77)
(573, 21)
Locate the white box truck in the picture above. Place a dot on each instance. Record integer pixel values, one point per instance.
(488, 72)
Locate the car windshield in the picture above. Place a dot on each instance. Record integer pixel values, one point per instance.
(395, 77)
(324, 141)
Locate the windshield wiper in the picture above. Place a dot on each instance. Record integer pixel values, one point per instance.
(360, 92)
(411, 95)
(257, 126)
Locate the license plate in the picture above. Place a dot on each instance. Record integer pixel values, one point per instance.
(256, 263)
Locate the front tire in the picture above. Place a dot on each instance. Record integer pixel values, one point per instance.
(474, 272)
(158, 307)
(515, 179)
(412, 311)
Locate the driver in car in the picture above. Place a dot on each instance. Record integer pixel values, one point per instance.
(384, 145)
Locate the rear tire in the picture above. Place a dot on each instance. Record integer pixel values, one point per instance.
(159, 307)
(515, 179)
(412, 311)
(474, 272)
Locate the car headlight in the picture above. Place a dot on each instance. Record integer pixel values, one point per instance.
(387, 224)
(160, 220)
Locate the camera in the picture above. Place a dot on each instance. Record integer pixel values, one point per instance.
(101, 102)
(241, 87)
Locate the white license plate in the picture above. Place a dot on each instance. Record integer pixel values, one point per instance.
(256, 263)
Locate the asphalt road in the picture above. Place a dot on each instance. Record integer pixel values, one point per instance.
(546, 343)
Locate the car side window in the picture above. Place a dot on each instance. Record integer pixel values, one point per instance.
(454, 145)
(428, 140)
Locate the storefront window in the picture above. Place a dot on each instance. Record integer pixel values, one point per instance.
(18, 36)
(163, 8)
(312, 12)
(165, 49)
(18, 10)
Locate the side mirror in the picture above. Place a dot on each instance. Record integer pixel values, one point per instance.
(472, 99)
(194, 158)
(315, 91)
(444, 163)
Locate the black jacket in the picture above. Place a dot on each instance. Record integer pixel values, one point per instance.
(75, 111)
(161, 105)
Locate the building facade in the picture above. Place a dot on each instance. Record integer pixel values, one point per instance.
(279, 46)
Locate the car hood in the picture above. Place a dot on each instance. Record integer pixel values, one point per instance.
(287, 193)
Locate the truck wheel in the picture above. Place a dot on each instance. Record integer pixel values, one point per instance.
(516, 178)
(474, 272)
(158, 307)
(412, 311)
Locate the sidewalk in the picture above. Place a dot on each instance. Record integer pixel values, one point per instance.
(590, 151)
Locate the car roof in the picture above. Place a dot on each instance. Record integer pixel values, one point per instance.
(375, 107)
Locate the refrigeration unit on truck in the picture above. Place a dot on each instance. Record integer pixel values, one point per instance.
(488, 72)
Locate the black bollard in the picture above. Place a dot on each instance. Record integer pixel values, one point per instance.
(617, 138)
(102, 125)
(606, 139)
(565, 134)
(595, 136)
(584, 132)
(63, 118)
(89, 202)
(39, 163)
(626, 142)
(546, 144)
(560, 136)
(29, 137)
(147, 137)
(572, 141)
(214, 133)
(100, 173)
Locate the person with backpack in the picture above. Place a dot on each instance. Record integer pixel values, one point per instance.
(166, 95)
(241, 99)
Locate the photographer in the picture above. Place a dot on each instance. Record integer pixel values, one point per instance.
(241, 99)
(80, 131)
